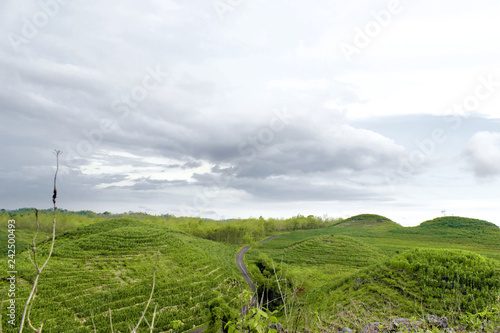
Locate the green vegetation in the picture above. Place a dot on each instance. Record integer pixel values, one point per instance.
(109, 265)
(105, 262)
(318, 273)
(236, 231)
(368, 268)
(441, 282)
(220, 314)
(368, 221)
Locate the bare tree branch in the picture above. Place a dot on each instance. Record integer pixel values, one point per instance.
(29, 301)
(150, 296)
(152, 321)
(110, 321)
(281, 293)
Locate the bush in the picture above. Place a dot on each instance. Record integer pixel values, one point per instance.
(219, 314)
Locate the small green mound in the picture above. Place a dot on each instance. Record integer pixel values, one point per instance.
(367, 221)
(465, 279)
(334, 250)
(455, 222)
(423, 280)
(123, 240)
(116, 236)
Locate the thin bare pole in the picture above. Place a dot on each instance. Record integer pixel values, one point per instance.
(34, 261)
(150, 296)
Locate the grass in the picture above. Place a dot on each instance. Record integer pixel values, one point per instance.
(341, 272)
(354, 268)
(418, 282)
(109, 265)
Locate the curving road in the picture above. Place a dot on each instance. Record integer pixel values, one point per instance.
(240, 262)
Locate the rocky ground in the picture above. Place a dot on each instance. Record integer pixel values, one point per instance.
(430, 324)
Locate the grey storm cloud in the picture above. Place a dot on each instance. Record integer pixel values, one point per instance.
(154, 101)
(148, 184)
(321, 150)
(299, 189)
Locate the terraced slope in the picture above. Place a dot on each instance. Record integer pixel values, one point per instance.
(330, 250)
(109, 265)
(442, 282)
(315, 260)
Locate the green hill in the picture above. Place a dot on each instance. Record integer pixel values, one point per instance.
(368, 221)
(353, 273)
(109, 265)
(362, 269)
(441, 282)
(456, 223)
(313, 259)
(330, 249)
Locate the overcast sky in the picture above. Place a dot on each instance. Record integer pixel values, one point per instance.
(239, 108)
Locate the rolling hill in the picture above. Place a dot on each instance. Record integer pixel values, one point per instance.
(457, 223)
(361, 269)
(109, 266)
(442, 282)
(368, 221)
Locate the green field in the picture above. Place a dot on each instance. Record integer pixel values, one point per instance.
(109, 265)
(331, 273)
(347, 271)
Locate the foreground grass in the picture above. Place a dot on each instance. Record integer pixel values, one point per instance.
(109, 265)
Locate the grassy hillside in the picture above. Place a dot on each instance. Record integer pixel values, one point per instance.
(448, 283)
(317, 259)
(330, 249)
(368, 221)
(453, 232)
(459, 223)
(368, 268)
(337, 272)
(109, 265)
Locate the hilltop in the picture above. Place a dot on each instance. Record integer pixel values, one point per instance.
(368, 221)
(456, 222)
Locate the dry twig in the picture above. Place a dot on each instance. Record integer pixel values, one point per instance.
(34, 261)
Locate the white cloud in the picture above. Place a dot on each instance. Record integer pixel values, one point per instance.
(296, 84)
(483, 154)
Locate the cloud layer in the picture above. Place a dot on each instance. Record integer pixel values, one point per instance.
(191, 108)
